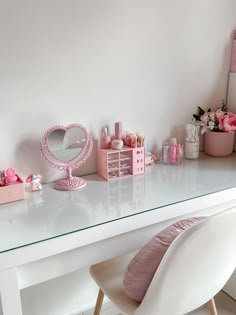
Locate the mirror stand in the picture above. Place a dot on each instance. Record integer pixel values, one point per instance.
(70, 183)
(66, 148)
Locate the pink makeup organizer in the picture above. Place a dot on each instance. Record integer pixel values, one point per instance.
(114, 164)
(12, 191)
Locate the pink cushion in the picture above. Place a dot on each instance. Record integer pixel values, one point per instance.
(143, 266)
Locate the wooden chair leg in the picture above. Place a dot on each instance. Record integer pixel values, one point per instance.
(99, 302)
(212, 307)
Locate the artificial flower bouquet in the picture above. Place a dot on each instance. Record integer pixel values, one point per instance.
(220, 120)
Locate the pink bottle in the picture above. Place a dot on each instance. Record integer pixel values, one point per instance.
(173, 150)
(118, 130)
(179, 152)
(105, 140)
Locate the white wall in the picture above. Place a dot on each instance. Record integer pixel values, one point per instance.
(147, 63)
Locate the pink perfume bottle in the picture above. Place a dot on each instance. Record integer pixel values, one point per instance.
(173, 150)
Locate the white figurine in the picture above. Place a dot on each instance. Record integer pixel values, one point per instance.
(34, 180)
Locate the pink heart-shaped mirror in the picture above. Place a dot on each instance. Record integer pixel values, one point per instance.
(66, 148)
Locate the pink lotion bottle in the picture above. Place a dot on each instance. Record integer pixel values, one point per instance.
(173, 150)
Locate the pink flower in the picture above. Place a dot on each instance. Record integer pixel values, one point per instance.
(219, 113)
(230, 114)
(219, 120)
(228, 122)
(204, 120)
(211, 115)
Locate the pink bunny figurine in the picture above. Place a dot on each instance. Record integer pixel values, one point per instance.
(34, 180)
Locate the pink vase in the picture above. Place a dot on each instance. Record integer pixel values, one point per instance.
(219, 144)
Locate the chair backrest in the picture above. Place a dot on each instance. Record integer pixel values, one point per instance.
(196, 266)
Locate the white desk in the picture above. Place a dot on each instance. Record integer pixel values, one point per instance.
(52, 233)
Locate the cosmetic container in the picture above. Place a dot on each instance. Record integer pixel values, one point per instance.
(192, 141)
(165, 152)
(173, 150)
(105, 140)
(11, 190)
(134, 141)
(191, 150)
(118, 130)
(117, 144)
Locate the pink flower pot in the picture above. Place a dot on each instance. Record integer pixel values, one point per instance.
(219, 144)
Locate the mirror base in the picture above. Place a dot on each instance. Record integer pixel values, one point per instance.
(74, 183)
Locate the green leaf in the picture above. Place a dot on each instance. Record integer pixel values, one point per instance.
(200, 111)
(197, 117)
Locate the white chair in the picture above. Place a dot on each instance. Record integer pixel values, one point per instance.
(194, 269)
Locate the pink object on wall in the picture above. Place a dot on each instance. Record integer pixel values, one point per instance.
(219, 144)
(233, 55)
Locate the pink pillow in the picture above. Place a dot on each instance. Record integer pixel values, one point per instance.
(143, 266)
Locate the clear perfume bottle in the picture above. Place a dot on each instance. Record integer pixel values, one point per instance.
(165, 152)
(192, 141)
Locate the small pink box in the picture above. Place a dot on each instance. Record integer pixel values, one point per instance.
(12, 192)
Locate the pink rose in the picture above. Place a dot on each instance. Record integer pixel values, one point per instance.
(230, 114)
(228, 122)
